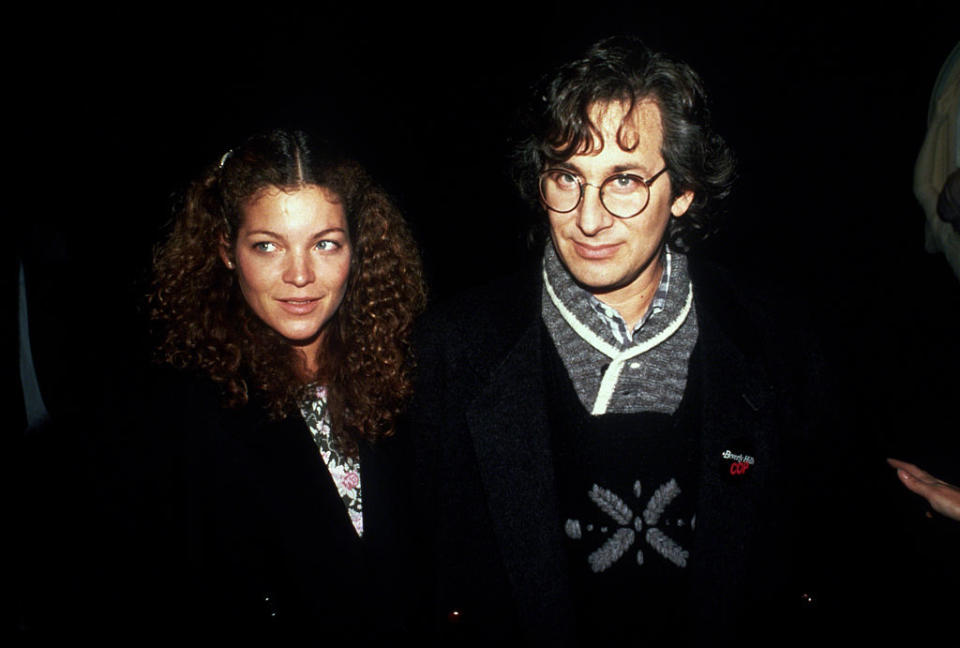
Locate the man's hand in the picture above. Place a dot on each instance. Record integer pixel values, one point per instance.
(943, 498)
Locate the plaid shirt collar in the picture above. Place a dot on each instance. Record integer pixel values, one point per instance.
(608, 315)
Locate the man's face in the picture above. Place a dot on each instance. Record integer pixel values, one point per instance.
(618, 258)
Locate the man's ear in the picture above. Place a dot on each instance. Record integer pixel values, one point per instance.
(681, 204)
(226, 254)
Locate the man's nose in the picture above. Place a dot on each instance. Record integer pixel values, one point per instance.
(299, 270)
(592, 216)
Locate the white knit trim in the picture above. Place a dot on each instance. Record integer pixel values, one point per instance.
(617, 358)
(612, 375)
(579, 327)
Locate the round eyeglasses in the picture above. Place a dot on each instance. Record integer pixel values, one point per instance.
(623, 194)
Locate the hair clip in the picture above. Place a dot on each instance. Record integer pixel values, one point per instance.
(223, 158)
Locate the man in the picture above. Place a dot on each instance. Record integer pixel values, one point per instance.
(603, 445)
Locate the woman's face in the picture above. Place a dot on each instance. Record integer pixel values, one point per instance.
(292, 258)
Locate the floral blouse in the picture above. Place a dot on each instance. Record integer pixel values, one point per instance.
(344, 470)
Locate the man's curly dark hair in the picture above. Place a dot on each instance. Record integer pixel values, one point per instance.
(206, 325)
(621, 69)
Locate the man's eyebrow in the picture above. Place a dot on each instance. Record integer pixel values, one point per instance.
(614, 170)
(622, 168)
(563, 164)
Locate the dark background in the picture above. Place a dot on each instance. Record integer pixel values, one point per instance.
(110, 114)
(825, 107)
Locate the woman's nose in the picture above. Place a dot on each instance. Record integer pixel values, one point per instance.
(299, 270)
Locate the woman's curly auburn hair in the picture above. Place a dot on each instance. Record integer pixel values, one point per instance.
(205, 323)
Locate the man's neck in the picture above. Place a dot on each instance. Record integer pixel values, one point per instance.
(633, 301)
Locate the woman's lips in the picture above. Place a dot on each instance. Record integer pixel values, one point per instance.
(596, 252)
(299, 306)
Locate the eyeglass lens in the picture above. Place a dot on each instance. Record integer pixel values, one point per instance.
(622, 195)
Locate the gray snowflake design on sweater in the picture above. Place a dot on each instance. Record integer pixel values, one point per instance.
(630, 525)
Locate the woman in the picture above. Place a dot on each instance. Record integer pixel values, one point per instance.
(285, 296)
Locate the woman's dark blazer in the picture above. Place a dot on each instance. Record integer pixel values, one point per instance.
(205, 521)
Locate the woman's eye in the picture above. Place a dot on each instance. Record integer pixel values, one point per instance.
(264, 246)
(327, 246)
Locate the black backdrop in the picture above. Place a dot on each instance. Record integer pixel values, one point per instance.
(825, 108)
(110, 113)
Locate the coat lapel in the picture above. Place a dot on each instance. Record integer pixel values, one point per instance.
(508, 423)
(735, 464)
(298, 495)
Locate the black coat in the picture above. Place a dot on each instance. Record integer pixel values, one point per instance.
(493, 531)
(200, 521)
